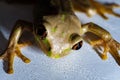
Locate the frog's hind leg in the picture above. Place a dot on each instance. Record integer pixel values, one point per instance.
(13, 47)
(105, 41)
(91, 7)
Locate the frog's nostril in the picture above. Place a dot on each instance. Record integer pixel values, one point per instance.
(77, 46)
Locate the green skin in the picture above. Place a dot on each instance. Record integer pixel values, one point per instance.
(57, 35)
(64, 30)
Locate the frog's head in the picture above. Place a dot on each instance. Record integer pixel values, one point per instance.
(61, 35)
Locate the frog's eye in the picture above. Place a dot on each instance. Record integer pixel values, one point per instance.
(77, 45)
(41, 31)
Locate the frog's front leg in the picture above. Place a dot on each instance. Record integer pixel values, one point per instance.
(91, 7)
(105, 40)
(13, 46)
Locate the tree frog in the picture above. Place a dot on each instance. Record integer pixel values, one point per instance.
(58, 31)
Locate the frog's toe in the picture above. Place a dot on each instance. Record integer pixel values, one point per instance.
(97, 46)
(103, 15)
(109, 9)
(20, 55)
(111, 46)
(8, 58)
(102, 9)
(115, 14)
(112, 5)
(10, 68)
(9, 55)
(10, 71)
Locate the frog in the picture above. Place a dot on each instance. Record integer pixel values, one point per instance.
(58, 31)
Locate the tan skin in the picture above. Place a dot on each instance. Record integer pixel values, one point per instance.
(53, 36)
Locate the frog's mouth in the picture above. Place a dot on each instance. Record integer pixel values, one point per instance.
(47, 49)
(58, 55)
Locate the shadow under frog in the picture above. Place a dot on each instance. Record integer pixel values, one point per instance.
(3, 41)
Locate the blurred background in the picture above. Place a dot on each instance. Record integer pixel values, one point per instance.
(83, 64)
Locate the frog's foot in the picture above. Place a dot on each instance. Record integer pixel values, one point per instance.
(92, 7)
(111, 46)
(13, 47)
(104, 41)
(106, 8)
(97, 46)
(8, 57)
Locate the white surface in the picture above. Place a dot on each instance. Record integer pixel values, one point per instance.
(84, 64)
